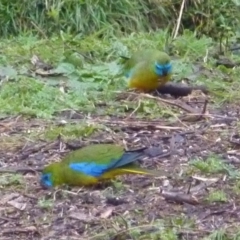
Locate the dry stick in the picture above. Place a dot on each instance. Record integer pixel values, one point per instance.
(177, 103)
(20, 230)
(203, 110)
(180, 197)
(179, 19)
(154, 124)
(45, 147)
(135, 110)
(177, 118)
(133, 124)
(39, 30)
(20, 170)
(182, 105)
(5, 219)
(197, 117)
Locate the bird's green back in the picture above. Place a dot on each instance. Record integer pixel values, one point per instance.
(147, 55)
(100, 154)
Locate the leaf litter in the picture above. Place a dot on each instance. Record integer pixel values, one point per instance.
(27, 211)
(198, 149)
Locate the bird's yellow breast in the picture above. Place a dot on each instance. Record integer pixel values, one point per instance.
(148, 83)
(79, 179)
(144, 78)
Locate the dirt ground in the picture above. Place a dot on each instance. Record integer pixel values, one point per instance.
(133, 207)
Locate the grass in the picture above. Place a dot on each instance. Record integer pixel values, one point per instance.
(69, 131)
(89, 86)
(91, 71)
(217, 196)
(11, 179)
(218, 19)
(45, 203)
(66, 15)
(213, 164)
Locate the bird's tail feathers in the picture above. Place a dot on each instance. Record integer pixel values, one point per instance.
(128, 157)
(138, 170)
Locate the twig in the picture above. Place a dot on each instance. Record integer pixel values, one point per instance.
(180, 197)
(20, 170)
(205, 57)
(133, 124)
(135, 110)
(39, 30)
(179, 19)
(20, 230)
(44, 147)
(197, 117)
(172, 145)
(204, 108)
(176, 103)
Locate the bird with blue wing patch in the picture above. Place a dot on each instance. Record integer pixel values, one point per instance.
(93, 164)
(148, 69)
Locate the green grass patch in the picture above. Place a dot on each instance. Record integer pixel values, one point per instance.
(217, 196)
(91, 70)
(213, 164)
(69, 131)
(8, 180)
(45, 203)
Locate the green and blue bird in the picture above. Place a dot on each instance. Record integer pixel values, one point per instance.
(93, 164)
(148, 69)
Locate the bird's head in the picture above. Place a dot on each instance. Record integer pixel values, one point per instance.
(46, 180)
(163, 66)
(163, 69)
(50, 175)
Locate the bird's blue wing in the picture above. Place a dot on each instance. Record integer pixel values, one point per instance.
(96, 170)
(89, 168)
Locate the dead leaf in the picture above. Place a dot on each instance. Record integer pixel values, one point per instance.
(81, 216)
(18, 203)
(8, 197)
(204, 179)
(107, 213)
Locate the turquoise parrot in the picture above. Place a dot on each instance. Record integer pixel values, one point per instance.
(93, 164)
(148, 69)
